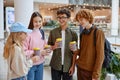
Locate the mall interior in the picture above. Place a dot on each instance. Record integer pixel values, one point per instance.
(106, 17)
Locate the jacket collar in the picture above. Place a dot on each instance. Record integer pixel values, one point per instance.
(66, 30)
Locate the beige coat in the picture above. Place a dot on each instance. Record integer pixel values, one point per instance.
(18, 65)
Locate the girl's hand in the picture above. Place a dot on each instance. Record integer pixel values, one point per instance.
(44, 53)
(35, 58)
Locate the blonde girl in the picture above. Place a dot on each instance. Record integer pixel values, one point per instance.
(18, 65)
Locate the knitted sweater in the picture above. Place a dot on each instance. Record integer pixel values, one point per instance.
(90, 56)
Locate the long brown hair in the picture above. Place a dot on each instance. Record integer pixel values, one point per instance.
(9, 45)
(35, 14)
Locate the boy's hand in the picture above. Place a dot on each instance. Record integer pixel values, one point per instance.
(55, 46)
(71, 71)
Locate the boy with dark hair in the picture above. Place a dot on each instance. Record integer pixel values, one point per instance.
(62, 57)
(64, 11)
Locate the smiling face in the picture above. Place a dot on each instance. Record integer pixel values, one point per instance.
(63, 19)
(83, 22)
(37, 22)
(84, 17)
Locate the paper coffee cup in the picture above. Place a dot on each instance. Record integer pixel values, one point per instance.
(37, 51)
(59, 41)
(48, 48)
(73, 45)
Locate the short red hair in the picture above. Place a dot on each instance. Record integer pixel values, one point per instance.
(85, 14)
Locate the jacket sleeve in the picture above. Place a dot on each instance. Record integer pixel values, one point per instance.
(26, 46)
(50, 39)
(20, 65)
(75, 37)
(100, 38)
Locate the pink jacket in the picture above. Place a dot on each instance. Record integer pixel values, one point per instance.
(34, 40)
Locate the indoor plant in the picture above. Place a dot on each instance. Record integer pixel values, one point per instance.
(114, 67)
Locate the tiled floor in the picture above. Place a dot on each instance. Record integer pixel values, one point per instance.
(47, 74)
(3, 70)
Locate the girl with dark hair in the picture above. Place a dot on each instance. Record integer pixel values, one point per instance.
(35, 40)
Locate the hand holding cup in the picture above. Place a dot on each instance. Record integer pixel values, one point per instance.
(73, 46)
(59, 42)
(35, 58)
(47, 48)
(37, 51)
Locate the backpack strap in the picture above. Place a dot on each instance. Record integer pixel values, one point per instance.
(43, 34)
(81, 34)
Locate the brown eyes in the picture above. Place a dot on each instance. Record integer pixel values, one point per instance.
(62, 17)
(38, 21)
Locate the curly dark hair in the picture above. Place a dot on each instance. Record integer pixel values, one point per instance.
(64, 11)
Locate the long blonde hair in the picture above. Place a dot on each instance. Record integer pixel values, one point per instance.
(14, 38)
